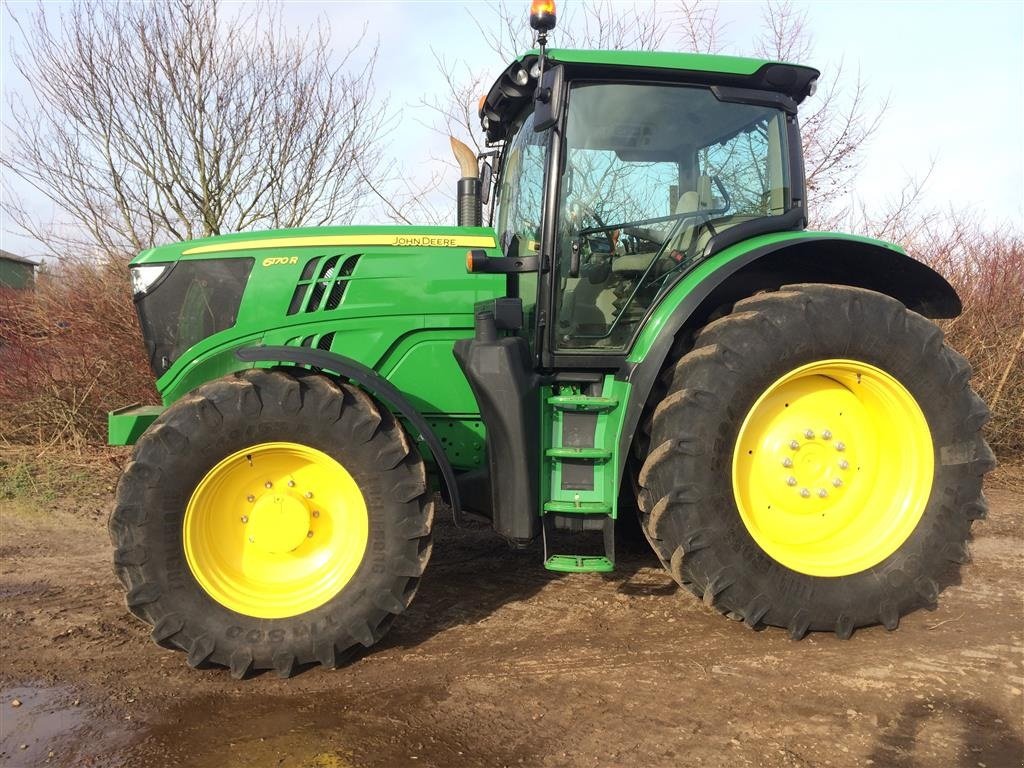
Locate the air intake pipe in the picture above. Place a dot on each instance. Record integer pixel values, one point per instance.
(468, 192)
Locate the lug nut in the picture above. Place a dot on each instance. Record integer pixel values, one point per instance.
(250, 498)
(840, 446)
(826, 435)
(809, 434)
(309, 494)
(245, 518)
(268, 484)
(791, 481)
(805, 493)
(309, 534)
(844, 464)
(794, 445)
(316, 513)
(291, 483)
(787, 462)
(837, 483)
(822, 493)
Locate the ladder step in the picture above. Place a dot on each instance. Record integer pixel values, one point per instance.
(595, 454)
(582, 403)
(579, 564)
(578, 508)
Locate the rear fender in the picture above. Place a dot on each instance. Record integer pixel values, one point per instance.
(767, 263)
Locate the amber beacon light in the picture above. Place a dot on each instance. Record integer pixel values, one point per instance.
(542, 15)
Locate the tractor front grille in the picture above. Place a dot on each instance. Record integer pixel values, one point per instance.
(322, 284)
(195, 300)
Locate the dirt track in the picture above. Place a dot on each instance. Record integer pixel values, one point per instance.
(499, 662)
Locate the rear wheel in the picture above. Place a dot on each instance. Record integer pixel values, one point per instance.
(271, 521)
(816, 461)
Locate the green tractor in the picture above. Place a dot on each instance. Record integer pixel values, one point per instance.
(643, 326)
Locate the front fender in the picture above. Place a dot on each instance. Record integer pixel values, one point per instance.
(375, 384)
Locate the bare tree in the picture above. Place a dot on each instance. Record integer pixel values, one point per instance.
(784, 35)
(699, 27)
(150, 122)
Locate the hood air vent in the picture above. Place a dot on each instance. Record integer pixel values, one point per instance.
(327, 289)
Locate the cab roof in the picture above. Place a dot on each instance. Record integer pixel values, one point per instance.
(506, 98)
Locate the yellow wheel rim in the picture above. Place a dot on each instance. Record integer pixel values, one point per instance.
(275, 530)
(833, 468)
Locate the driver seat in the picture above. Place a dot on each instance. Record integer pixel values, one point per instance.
(700, 199)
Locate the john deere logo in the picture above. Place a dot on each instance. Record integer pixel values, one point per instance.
(278, 260)
(422, 240)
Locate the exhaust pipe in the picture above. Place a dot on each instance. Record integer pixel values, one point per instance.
(468, 212)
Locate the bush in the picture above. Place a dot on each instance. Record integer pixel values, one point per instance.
(70, 350)
(987, 271)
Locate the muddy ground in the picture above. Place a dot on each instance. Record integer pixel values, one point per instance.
(501, 663)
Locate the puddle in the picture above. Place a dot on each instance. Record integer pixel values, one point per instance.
(53, 726)
(232, 731)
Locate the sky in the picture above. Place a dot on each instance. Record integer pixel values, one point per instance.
(950, 74)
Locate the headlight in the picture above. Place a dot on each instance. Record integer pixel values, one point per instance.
(143, 277)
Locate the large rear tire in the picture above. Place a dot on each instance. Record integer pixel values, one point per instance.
(816, 461)
(270, 521)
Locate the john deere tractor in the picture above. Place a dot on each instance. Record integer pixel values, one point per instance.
(631, 319)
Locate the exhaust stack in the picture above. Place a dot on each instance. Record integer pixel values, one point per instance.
(468, 212)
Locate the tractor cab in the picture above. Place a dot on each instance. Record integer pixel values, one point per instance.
(650, 162)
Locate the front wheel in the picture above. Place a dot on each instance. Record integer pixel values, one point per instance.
(272, 520)
(816, 462)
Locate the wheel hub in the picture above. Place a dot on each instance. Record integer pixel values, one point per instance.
(814, 466)
(278, 523)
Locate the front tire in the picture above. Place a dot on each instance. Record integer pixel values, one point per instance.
(270, 521)
(816, 462)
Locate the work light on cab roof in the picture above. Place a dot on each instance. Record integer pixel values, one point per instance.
(641, 325)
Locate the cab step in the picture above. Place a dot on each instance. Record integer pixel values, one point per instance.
(579, 564)
(578, 507)
(578, 486)
(590, 454)
(582, 403)
(592, 563)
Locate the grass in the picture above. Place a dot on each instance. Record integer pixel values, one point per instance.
(33, 476)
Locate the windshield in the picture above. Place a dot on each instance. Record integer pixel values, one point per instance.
(652, 172)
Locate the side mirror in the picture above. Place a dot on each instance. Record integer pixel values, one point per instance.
(548, 98)
(486, 178)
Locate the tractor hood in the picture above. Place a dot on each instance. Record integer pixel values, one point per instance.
(328, 287)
